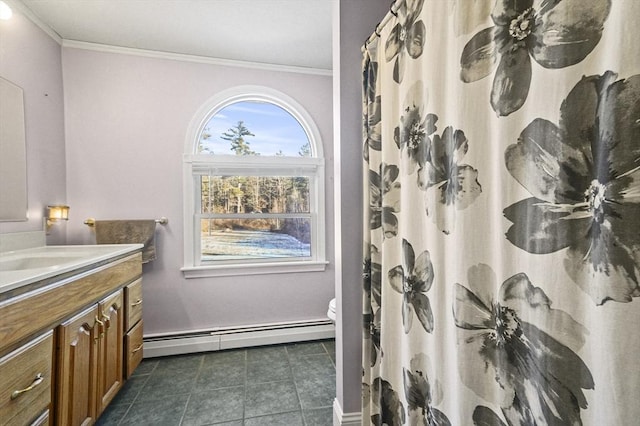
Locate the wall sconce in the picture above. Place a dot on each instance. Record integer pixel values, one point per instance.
(56, 213)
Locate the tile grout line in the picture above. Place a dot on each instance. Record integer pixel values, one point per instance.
(295, 384)
(184, 410)
(244, 386)
(329, 353)
(135, 398)
(193, 387)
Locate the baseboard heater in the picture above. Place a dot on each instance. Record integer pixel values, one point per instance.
(236, 337)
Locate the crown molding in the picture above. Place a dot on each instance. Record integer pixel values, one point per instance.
(24, 10)
(193, 58)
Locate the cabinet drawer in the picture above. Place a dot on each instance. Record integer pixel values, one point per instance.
(133, 302)
(26, 381)
(133, 349)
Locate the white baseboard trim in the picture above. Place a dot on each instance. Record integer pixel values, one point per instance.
(241, 337)
(345, 419)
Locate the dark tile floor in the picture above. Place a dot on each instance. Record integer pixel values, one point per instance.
(289, 385)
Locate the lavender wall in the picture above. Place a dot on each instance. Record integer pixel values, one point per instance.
(126, 121)
(32, 60)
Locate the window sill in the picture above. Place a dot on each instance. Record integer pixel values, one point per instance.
(252, 269)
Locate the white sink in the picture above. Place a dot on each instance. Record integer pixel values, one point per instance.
(21, 267)
(34, 262)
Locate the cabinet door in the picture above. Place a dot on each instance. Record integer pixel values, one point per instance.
(110, 348)
(76, 373)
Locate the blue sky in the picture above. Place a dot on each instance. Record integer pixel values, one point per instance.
(274, 129)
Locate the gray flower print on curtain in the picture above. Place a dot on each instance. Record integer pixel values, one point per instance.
(392, 411)
(373, 303)
(483, 416)
(372, 110)
(422, 394)
(406, 38)
(450, 184)
(372, 330)
(514, 338)
(373, 276)
(384, 199)
(413, 279)
(555, 33)
(584, 176)
(411, 134)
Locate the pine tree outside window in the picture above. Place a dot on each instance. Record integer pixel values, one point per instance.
(254, 187)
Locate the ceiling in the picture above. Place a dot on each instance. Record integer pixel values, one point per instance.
(281, 32)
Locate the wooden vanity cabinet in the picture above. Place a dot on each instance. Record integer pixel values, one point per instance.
(62, 344)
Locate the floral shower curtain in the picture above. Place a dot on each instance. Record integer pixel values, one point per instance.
(502, 213)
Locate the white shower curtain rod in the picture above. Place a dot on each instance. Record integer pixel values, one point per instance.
(381, 24)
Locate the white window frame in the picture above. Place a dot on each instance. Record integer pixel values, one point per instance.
(194, 164)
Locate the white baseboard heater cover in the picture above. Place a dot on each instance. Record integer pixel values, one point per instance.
(236, 337)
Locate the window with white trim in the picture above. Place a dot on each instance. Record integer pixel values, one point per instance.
(253, 187)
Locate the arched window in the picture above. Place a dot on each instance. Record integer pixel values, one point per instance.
(254, 186)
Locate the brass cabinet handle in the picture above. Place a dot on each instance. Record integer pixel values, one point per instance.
(137, 349)
(107, 320)
(101, 325)
(137, 302)
(39, 379)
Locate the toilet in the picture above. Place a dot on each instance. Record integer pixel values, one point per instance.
(331, 313)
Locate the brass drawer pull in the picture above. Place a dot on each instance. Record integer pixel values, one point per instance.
(137, 349)
(137, 302)
(39, 379)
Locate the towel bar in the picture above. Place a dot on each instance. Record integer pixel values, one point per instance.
(92, 222)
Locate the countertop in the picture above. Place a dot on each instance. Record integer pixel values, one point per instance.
(21, 268)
